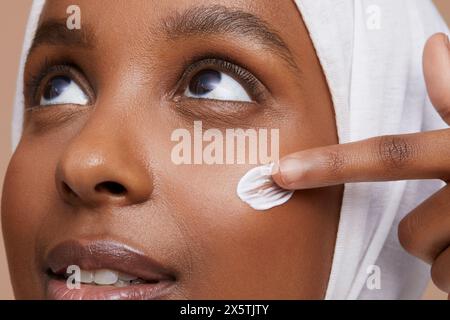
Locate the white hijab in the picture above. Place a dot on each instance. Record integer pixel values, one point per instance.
(371, 53)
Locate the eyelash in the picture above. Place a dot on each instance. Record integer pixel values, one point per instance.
(241, 74)
(50, 68)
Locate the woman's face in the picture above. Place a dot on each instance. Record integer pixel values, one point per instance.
(92, 182)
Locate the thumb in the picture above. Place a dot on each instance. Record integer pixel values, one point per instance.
(436, 66)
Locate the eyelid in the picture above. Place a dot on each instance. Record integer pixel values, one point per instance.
(47, 71)
(251, 84)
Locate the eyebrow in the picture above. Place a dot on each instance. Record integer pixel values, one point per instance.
(217, 19)
(55, 32)
(198, 20)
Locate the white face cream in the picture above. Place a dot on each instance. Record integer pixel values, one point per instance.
(259, 191)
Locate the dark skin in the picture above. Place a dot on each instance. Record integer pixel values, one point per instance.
(186, 217)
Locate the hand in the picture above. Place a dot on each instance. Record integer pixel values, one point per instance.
(425, 232)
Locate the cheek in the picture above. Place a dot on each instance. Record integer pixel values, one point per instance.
(26, 200)
(283, 252)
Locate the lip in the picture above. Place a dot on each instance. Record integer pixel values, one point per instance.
(93, 255)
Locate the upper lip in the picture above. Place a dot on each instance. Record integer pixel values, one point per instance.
(104, 254)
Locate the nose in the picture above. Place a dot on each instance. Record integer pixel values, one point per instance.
(98, 172)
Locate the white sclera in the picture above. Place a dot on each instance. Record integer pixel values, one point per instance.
(259, 191)
(72, 94)
(228, 90)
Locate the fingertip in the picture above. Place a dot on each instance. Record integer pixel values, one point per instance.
(436, 47)
(439, 37)
(277, 176)
(275, 169)
(436, 65)
(289, 173)
(437, 44)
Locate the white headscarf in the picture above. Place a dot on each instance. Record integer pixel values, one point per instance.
(371, 54)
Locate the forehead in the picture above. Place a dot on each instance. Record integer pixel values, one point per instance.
(138, 27)
(150, 9)
(120, 16)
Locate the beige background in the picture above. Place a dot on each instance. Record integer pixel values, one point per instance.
(13, 16)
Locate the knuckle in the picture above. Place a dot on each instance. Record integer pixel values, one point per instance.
(436, 276)
(395, 152)
(334, 162)
(439, 271)
(444, 110)
(408, 233)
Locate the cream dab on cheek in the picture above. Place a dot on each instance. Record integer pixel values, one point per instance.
(259, 191)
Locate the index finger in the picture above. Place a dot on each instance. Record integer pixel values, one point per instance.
(387, 158)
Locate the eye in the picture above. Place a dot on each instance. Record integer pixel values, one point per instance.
(62, 90)
(57, 84)
(216, 85)
(222, 80)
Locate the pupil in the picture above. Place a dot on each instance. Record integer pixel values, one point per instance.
(205, 81)
(56, 86)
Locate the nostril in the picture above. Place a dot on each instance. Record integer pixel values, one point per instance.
(111, 187)
(68, 190)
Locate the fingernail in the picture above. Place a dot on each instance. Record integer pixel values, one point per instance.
(290, 171)
(275, 168)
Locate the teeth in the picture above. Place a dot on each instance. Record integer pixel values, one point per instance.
(86, 276)
(106, 277)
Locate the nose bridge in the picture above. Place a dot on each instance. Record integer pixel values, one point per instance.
(99, 167)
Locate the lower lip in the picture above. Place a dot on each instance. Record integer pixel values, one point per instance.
(57, 290)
